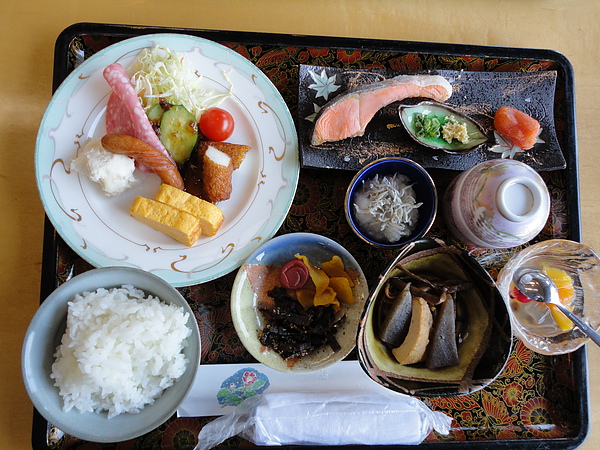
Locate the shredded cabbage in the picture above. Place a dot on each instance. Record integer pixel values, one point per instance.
(159, 72)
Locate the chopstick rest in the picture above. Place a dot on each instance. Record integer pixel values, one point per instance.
(327, 419)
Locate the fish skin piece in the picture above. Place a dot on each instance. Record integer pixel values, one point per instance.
(348, 114)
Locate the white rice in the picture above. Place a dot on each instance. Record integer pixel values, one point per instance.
(120, 351)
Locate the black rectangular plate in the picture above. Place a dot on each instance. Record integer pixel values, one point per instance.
(475, 94)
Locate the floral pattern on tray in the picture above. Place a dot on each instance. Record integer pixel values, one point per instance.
(535, 398)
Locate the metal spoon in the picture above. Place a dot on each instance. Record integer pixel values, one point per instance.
(539, 287)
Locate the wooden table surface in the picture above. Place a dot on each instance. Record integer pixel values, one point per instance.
(29, 30)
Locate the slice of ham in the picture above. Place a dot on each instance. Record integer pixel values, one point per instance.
(127, 113)
(118, 119)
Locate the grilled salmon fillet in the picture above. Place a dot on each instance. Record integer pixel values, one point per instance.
(348, 114)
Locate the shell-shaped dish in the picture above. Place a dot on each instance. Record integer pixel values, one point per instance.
(430, 131)
(480, 358)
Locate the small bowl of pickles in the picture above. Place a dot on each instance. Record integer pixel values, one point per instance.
(296, 302)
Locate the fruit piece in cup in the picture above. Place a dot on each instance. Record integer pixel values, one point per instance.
(518, 295)
(566, 293)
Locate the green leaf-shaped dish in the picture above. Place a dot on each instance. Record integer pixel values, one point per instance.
(409, 116)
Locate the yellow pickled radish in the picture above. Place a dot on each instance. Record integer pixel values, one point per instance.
(566, 293)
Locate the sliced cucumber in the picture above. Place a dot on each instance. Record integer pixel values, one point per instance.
(156, 112)
(178, 132)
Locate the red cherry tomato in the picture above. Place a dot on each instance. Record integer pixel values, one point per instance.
(293, 274)
(216, 124)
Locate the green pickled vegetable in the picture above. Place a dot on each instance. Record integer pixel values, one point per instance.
(441, 127)
(427, 126)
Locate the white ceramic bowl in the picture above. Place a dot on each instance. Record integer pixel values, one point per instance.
(533, 322)
(44, 335)
(249, 321)
(499, 203)
(421, 182)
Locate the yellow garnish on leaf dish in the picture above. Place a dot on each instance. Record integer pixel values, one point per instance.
(566, 293)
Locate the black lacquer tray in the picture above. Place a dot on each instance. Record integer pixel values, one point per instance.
(537, 402)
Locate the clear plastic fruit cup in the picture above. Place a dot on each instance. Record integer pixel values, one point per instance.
(575, 269)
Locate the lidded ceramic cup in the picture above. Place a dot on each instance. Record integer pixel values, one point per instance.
(499, 203)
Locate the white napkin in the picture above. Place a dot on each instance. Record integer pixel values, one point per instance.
(203, 401)
(327, 419)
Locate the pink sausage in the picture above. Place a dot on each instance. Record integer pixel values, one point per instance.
(145, 154)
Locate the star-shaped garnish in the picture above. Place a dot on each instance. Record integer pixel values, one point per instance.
(507, 148)
(323, 84)
(312, 117)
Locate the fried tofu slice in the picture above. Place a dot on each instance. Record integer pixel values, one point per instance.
(210, 216)
(217, 170)
(237, 152)
(212, 169)
(175, 223)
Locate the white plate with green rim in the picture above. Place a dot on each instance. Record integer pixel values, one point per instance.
(99, 228)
